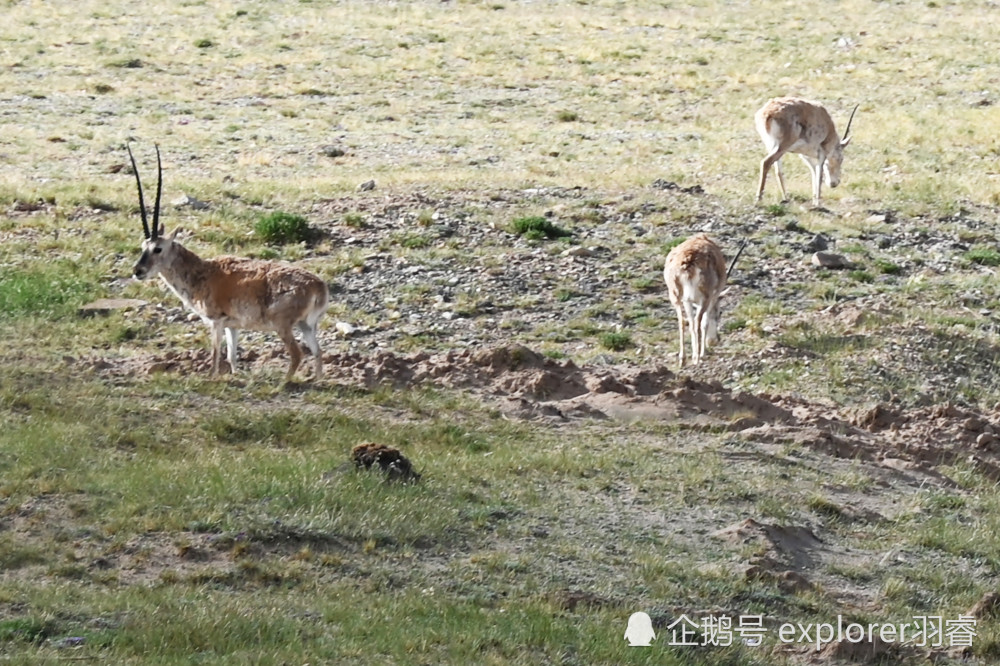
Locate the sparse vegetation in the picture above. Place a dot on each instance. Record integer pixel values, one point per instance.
(615, 340)
(984, 256)
(354, 220)
(538, 228)
(888, 267)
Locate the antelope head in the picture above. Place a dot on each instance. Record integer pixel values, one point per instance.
(835, 159)
(156, 248)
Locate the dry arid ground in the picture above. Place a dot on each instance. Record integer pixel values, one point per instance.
(836, 456)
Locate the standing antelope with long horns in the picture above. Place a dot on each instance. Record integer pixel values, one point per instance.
(230, 293)
(793, 125)
(695, 273)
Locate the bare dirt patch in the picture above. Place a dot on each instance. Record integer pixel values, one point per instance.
(525, 384)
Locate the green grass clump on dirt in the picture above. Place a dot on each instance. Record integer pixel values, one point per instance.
(984, 256)
(615, 340)
(538, 228)
(284, 228)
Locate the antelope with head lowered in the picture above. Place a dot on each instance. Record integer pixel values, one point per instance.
(793, 125)
(230, 293)
(695, 273)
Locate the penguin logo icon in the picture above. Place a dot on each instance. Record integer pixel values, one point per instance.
(640, 630)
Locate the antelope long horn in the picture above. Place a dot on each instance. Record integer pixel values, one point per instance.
(142, 204)
(732, 264)
(850, 120)
(159, 189)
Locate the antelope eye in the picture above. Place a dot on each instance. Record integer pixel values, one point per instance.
(157, 250)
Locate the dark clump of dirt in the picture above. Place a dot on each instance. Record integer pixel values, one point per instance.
(389, 460)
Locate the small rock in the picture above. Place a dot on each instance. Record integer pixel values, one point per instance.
(332, 151)
(344, 328)
(577, 251)
(830, 260)
(190, 202)
(974, 424)
(986, 441)
(366, 186)
(818, 243)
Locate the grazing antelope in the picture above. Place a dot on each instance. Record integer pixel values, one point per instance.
(695, 273)
(793, 125)
(230, 293)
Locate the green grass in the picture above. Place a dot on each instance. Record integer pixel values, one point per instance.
(888, 267)
(984, 256)
(283, 228)
(615, 340)
(354, 220)
(50, 290)
(538, 228)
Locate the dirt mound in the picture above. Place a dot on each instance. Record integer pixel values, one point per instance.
(526, 384)
(389, 460)
(785, 552)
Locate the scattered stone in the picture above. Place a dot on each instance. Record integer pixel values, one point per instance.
(366, 186)
(185, 201)
(818, 243)
(344, 328)
(661, 184)
(830, 260)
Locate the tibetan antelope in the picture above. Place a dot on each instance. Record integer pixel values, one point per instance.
(695, 273)
(793, 125)
(230, 293)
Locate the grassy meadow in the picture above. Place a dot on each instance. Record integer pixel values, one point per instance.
(172, 518)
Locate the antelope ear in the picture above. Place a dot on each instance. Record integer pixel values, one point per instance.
(173, 234)
(843, 144)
